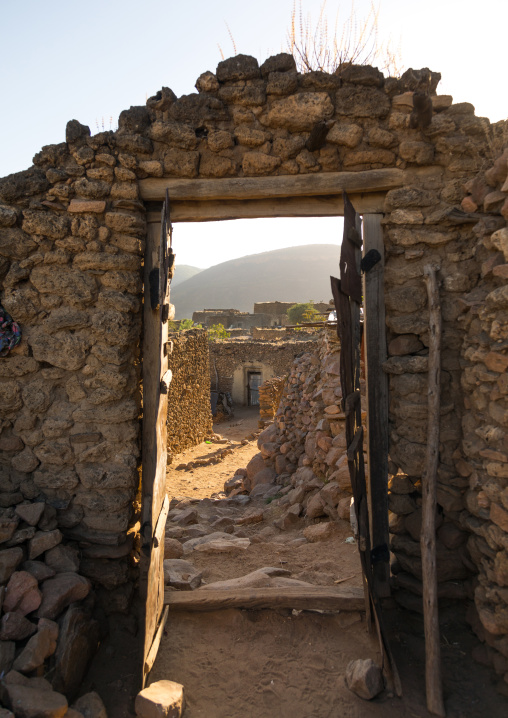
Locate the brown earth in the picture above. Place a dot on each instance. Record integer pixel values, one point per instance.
(278, 663)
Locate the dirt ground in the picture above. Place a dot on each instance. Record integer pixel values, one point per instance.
(273, 664)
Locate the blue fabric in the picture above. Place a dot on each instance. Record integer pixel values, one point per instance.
(10, 333)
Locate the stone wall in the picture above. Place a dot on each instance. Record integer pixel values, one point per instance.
(189, 408)
(226, 317)
(484, 472)
(270, 394)
(230, 356)
(304, 448)
(71, 244)
(274, 334)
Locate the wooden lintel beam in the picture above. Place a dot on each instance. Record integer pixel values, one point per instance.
(320, 206)
(241, 188)
(323, 598)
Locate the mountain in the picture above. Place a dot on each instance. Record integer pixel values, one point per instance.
(293, 274)
(182, 273)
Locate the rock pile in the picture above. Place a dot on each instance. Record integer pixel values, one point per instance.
(303, 452)
(46, 607)
(189, 412)
(270, 393)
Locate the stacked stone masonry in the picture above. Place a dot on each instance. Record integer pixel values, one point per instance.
(304, 449)
(189, 409)
(484, 468)
(72, 230)
(270, 394)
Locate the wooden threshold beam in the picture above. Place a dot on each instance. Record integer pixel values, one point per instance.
(314, 206)
(323, 598)
(242, 188)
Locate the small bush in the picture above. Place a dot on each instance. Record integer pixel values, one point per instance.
(217, 333)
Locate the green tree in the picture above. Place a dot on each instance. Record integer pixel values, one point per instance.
(181, 325)
(302, 312)
(217, 333)
(188, 324)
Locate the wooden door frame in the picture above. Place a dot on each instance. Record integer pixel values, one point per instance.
(244, 198)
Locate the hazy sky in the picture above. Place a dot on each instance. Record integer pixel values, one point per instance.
(62, 59)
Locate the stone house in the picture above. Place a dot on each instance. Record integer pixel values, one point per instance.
(240, 366)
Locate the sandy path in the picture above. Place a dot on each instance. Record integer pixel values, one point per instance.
(204, 481)
(286, 664)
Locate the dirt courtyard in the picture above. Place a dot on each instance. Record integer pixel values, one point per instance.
(284, 663)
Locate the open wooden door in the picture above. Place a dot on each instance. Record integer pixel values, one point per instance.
(348, 296)
(157, 311)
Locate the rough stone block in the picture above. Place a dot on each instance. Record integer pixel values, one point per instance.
(15, 627)
(43, 541)
(77, 643)
(300, 112)
(320, 532)
(163, 699)
(90, 706)
(181, 574)
(364, 678)
(29, 702)
(39, 647)
(22, 594)
(60, 591)
(361, 102)
(9, 559)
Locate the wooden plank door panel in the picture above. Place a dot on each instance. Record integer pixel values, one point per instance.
(155, 504)
(377, 401)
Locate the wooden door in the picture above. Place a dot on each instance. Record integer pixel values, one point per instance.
(377, 400)
(348, 295)
(156, 377)
(253, 384)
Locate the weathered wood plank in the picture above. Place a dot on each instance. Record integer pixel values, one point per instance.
(154, 188)
(152, 653)
(323, 598)
(154, 438)
(433, 684)
(320, 206)
(377, 404)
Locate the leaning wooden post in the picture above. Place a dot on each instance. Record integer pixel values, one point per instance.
(428, 535)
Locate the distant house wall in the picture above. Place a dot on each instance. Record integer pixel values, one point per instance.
(240, 390)
(233, 359)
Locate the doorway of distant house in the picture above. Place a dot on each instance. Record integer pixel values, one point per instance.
(253, 384)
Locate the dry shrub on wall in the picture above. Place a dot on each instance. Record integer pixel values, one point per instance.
(353, 42)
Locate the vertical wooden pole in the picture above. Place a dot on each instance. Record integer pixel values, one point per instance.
(155, 504)
(377, 405)
(429, 480)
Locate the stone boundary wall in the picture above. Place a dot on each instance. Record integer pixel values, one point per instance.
(484, 470)
(72, 231)
(268, 334)
(71, 245)
(226, 317)
(304, 448)
(227, 356)
(189, 409)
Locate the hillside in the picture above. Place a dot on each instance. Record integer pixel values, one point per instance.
(293, 274)
(182, 273)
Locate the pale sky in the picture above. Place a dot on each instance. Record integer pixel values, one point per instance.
(63, 59)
